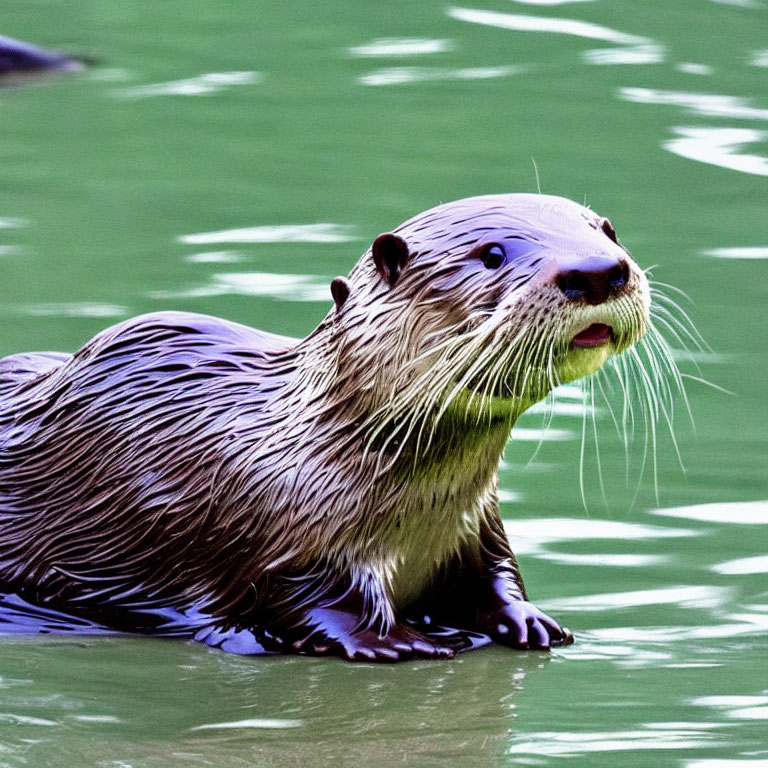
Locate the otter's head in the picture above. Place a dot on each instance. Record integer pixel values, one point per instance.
(492, 300)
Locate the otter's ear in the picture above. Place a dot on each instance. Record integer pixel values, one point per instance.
(340, 289)
(390, 255)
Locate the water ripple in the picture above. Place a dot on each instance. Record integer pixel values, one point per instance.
(7, 222)
(520, 23)
(573, 744)
(738, 3)
(730, 701)
(760, 58)
(401, 46)
(683, 596)
(719, 762)
(647, 53)
(705, 104)
(738, 512)
(256, 722)
(280, 286)
(214, 257)
(692, 68)
(562, 409)
(75, 309)
(11, 717)
(733, 625)
(401, 75)
(282, 233)
(543, 435)
(737, 707)
(721, 147)
(743, 566)
(553, 529)
(750, 713)
(602, 560)
(97, 718)
(551, 2)
(202, 85)
(744, 252)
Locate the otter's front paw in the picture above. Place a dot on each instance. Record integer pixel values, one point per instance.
(522, 625)
(334, 633)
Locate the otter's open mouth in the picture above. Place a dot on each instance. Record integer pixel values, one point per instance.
(593, 336)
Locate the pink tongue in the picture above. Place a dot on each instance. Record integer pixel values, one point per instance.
(594, 336)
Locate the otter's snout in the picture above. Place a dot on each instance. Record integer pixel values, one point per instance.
(593, 279)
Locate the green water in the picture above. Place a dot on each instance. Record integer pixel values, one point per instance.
(115, 189)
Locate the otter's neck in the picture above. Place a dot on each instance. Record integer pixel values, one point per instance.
(368, 402)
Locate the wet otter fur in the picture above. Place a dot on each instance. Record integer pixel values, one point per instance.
(336, 494)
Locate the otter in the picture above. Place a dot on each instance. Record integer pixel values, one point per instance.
(19, 59)
(185, 475)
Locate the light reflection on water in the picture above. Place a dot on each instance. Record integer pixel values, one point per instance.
(551, 2)
(732, 626)
(744, 252)
(402, 75)
(645, 53)
(547, 434)
(253, 723)
(706, 104)
(573, 744)
(692, 68)
(538, 532)
(273, 285)
(215, 257)
(202, 85)
(737, 512)
(605, 560)
(402, 46)
(725, 763)
(721, 147)
(12, 223)
(760, 58)
(706, 597)
(743, 565)
(283, 233)
(75, 309)
(527, 23)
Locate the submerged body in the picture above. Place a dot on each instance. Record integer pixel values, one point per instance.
(336, 494)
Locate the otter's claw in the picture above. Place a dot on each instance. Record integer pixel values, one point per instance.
(522, 625)
(397, 645)
(334, 633)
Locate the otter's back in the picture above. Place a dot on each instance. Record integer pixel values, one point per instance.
(26, 368)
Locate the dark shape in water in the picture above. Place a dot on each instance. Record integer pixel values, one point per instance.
(19, 58)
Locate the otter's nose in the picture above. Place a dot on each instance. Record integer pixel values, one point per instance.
(593, 279)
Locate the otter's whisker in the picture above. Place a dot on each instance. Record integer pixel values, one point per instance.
(686, 336)
(706, 383)
(600, 379)
(657, 348)
(661, 301)
(651, 412)
(593, 419)
(582, 459)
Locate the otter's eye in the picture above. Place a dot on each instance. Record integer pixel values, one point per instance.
(493, 256)
(607, 227)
